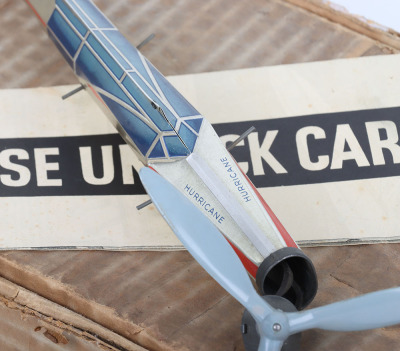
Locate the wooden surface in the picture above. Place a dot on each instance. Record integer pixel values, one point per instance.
(31, 322)
(358, 24)
(165, 301)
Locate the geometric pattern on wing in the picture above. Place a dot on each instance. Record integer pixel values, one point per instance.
(175, 146)
(188, 137)
(105, 38)
(89, 67)
(194, 123)
(128, 84)
(141, 134)
(145, 103)
(175, 98)
(132, 57)
(94, 18)
(150, 94)
(157, 151)
(61, 48)
(105, 56)
(77, 23)
(64, 33)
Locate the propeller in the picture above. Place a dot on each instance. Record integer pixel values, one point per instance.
(208, 246)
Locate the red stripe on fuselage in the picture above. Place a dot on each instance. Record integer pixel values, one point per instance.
(36, 13)
(285, 235)
(97, 95)
(249, 265)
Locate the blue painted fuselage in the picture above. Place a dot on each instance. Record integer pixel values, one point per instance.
(157, 119)
(161, 125)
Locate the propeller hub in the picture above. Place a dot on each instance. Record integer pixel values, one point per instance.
(275, 326)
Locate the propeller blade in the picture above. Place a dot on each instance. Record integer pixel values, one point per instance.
(270, 345)
(204, 241)
(374, 310)
(208, 246)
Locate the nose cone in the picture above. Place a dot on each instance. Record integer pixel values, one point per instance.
(42, 8)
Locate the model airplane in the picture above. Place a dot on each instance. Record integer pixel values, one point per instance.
(209, 193)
